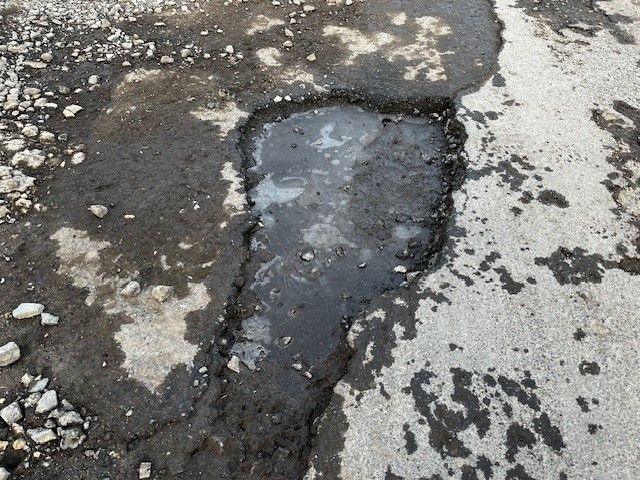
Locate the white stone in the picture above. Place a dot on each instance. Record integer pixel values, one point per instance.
(9, 353)
(30, 131)
(47, 402)
(71, 111)
(72, 438)
(41, 435)
(11, 413)
(15, 144)
(31, 158)
(70, 418)
(160, 293)
(27, 310)
(234, 364)
(78, 158)
(144, 471)
(4, 473)
(99, 211)
(48, 319)
(93, 80)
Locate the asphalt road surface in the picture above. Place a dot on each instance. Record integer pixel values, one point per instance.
(296, 240)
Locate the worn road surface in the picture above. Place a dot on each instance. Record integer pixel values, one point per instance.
(297, 240)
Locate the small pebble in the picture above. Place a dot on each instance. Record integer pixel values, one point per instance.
(48, 319)
(99, 211)
(234, 364)
(144, 471)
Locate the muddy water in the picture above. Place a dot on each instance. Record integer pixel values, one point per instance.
(344, 202)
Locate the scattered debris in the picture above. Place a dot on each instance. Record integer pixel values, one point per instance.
(41, 424)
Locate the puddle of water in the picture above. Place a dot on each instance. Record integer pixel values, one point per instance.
(346, 196)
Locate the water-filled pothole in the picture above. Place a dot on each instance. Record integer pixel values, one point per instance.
(348, 202)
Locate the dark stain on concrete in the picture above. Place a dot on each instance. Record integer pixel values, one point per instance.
(409, 439)
(550, 433)
(589, 368)
(514, 389)
(551, 197)
(574, 266)
(518, 437)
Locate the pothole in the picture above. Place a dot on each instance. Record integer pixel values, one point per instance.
(349, 203)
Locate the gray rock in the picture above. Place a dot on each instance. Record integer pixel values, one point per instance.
(39, 385)
(160, 293)
(234, 364)
(71, 111)
(32, 400)
(131, 289)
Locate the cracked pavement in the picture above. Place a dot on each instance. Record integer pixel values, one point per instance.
(319, 240)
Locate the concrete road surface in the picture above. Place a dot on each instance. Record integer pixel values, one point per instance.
(343, 239)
